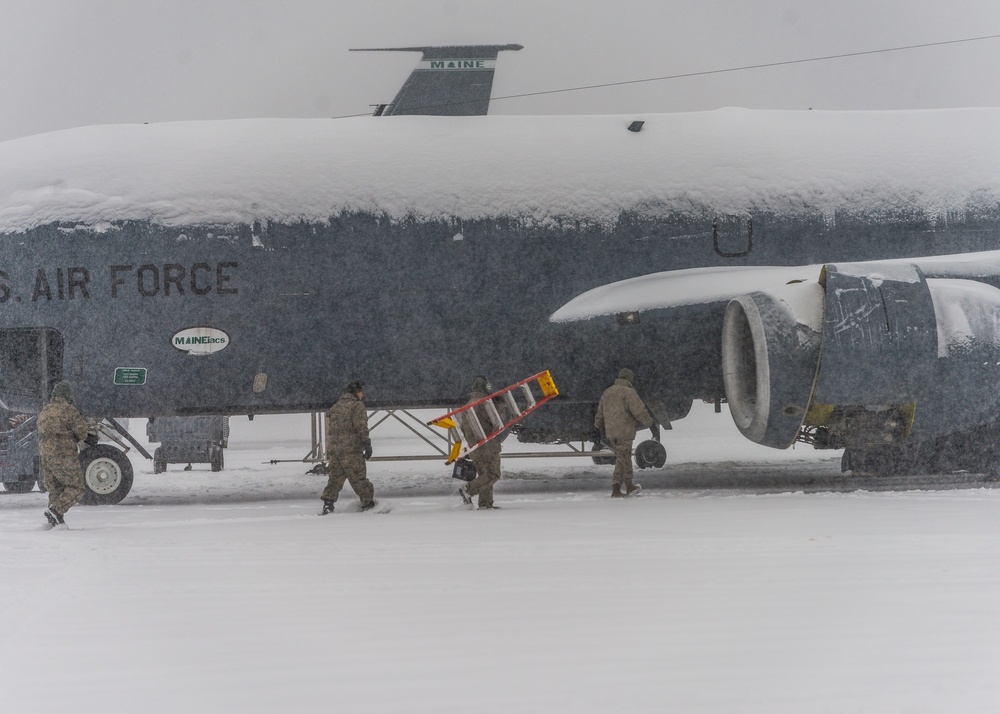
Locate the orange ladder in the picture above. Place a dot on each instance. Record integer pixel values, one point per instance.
(466, 416)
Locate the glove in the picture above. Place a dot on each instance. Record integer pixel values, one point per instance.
(91, 440)
(368, 449)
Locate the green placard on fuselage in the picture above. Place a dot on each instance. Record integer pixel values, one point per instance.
(130, 375)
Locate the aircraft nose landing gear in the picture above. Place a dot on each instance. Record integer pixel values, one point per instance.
(107, 472)
(650, 454)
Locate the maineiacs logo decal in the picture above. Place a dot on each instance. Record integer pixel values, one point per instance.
(200, 340)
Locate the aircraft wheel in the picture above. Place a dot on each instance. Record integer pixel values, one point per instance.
(876, 461)
(650, 454)
(107, 473)
(879, 461)
(39, 476)
(23, 486)
(217, 460)
(601, 460)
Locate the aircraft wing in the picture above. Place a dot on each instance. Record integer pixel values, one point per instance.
(873, 353)
(677, 288)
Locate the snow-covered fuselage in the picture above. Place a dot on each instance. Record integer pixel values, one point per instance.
(256, 266)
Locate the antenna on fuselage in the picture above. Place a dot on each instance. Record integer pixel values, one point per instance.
(451, 80)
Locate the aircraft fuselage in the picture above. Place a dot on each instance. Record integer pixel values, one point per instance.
(256, 267)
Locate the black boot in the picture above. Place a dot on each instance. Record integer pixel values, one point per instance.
(52, 517)
(327, 507)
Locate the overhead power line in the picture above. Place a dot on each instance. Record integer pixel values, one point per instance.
(704, 73)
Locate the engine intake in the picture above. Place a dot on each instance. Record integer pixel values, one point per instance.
(875, 353)
(770, 356)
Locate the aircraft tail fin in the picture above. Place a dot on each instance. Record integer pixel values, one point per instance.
(451, 80)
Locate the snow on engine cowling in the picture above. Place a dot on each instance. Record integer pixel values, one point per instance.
(873, 354)
(770, 355)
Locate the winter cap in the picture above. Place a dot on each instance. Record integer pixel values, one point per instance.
(480, 384)
(355, 386)
(63, 390)
(626, 374)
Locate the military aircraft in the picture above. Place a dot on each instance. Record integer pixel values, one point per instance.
(833, 276)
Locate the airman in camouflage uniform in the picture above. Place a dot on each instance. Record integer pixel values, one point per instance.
(486, 457)
(619, 412)
(348, 446)
(60, 428)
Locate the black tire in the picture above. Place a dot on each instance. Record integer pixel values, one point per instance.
(650, 454)
(23, 486)
(217, 460)
(601, 460)
(159, 463)
(107, 474)
(39, 476)
(881, 461)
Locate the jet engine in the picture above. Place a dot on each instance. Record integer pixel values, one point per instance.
(770, 357)
(870, 353)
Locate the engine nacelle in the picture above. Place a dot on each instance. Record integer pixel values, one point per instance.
(876, 353)
(770, 356)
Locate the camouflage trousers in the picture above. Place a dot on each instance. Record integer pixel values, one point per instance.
(487, 474)
(623, 460)
(349, 467)
(64, 482)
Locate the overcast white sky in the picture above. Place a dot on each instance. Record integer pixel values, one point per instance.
(68, 63)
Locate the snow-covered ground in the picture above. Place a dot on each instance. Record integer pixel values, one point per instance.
(742, 580)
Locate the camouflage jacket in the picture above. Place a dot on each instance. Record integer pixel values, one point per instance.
(486, 421)
(621, 411)
(60, 427)
(347, 425)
